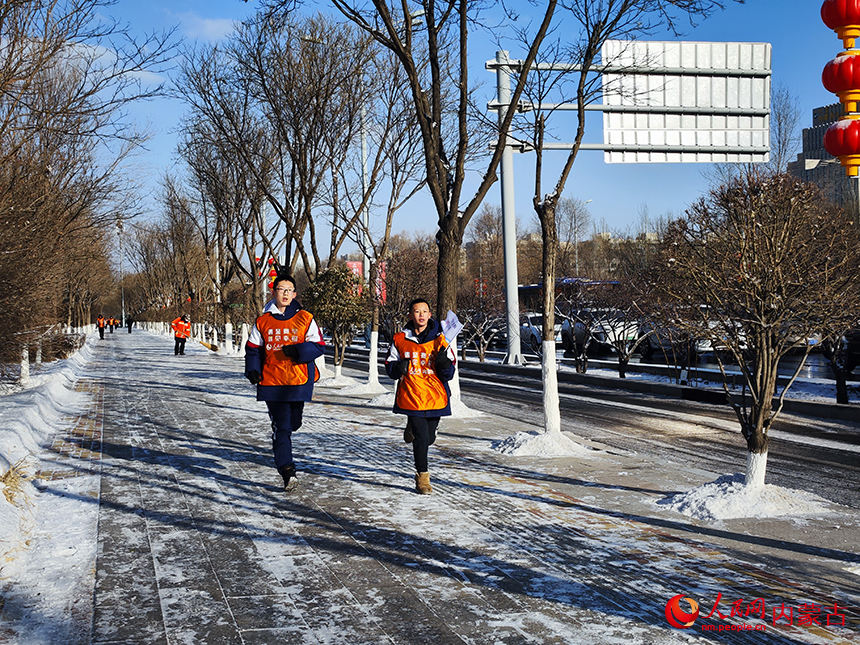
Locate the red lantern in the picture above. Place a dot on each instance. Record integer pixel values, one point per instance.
(842, 77)
(842, 139)
(843, 17)
(272, 275)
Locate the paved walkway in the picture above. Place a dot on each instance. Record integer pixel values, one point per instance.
(198, 544)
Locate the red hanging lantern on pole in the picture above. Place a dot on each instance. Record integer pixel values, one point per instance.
(842, 77)
(842, 140)
(843, 17)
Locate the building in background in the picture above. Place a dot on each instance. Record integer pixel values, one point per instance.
(817, 166)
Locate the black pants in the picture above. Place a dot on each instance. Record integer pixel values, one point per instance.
(286, 418)
(424, 431)
(179, 347)
(102, 333)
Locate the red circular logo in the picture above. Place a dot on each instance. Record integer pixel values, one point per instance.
(679, 618)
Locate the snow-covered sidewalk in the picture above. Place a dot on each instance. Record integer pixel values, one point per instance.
(197, 543)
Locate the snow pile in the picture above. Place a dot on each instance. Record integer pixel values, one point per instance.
(28, 418)
(382, 401)
(730, 498)
(541, 444)
(336, 381)
(365, 388)
(460, 410)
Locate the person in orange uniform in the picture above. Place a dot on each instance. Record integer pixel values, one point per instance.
(422, 363)
(100, 323)
(279, 359)
(181, 331)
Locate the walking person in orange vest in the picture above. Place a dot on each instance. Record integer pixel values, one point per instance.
(100, 323)
(279, 359)
(422, 363)
(181, 331)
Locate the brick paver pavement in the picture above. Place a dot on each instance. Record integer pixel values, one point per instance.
(198, 544)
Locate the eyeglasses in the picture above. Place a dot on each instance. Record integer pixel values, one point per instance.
(282, 290)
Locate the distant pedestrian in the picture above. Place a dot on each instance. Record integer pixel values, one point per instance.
(111, 323)
(181, 331)
(100, 323)
(422, 363)
(129, 323)
(279, 359)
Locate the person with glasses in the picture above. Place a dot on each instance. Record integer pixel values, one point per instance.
(279, 359)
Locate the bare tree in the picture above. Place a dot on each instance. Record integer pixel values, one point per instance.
(481, 298)
(440, 43)
(598, 22)
(409, 273)
(339, 306)
(67, 76)
(759, 266)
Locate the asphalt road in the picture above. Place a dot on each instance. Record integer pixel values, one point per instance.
(816, 455)
(820, 456)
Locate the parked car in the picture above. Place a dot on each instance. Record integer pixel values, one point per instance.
(531, 331)
(671, 342)
(492, 329)
(605, 327)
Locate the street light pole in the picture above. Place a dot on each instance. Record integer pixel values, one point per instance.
(364, 182)
(121, 270)
(509, 225)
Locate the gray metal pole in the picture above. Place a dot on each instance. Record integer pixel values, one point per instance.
(364, 182)
(509, 222)
(121, 272)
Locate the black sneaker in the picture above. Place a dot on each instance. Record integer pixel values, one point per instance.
(289, 475)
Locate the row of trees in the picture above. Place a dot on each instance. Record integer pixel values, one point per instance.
(67, 76)
(276, 114)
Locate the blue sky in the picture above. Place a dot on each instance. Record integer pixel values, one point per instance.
(802, 45)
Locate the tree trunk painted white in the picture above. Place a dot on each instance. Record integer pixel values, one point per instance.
(337, 371)
(756, 467)
(25, 365)
(241, 350)
(549, 376)
(324, 372)
(215, 337)
(373, 360)
(38, 353)
(228, 338)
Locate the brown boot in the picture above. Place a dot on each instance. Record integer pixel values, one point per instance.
(422, 483)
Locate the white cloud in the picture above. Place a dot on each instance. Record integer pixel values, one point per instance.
(210, 29)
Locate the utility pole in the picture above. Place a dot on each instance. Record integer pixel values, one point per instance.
(121, 270)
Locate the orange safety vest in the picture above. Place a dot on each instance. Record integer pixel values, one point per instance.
(421, 389)
(100, 322)
(181, 328)
(277, 368)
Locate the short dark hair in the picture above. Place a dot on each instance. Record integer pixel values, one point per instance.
(418, 301)
(281, 277)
